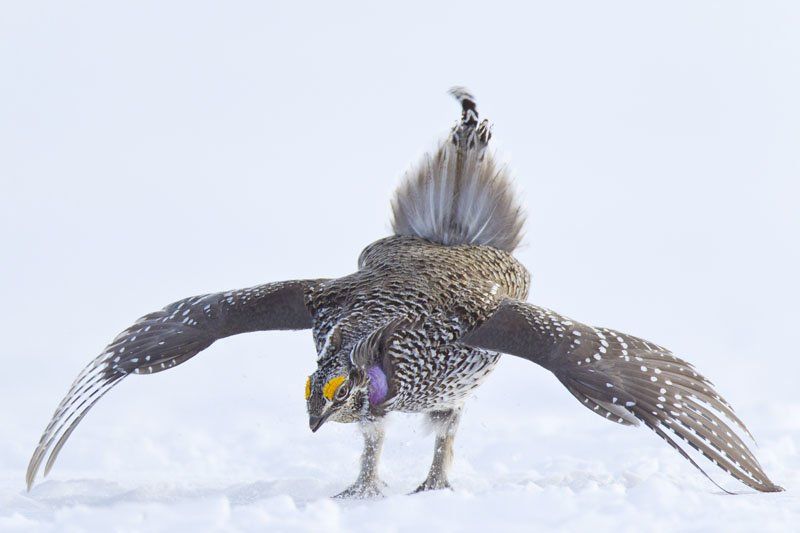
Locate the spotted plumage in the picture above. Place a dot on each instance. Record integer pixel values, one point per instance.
(423, 322)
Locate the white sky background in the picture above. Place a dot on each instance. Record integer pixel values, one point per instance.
(151, 151)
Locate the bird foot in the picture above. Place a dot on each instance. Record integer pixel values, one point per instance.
(361, 490)
(433, 484)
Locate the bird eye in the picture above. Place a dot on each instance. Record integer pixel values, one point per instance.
(343, 391)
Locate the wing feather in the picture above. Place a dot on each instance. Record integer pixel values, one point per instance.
(166, 338)
(608, 372)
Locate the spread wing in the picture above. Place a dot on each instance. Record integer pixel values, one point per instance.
(626, 380)
(167, 338)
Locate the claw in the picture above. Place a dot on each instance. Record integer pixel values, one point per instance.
(433, 484)
(361, 490)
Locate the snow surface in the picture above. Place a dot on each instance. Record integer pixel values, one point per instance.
(151, 151)
(233, 456)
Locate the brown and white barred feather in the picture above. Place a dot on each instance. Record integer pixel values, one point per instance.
(624, 379)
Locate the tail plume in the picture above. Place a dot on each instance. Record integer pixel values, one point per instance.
(459, 194)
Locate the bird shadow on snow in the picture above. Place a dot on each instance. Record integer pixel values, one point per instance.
(49, 496)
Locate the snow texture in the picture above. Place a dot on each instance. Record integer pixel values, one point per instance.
(233, 457)
(153, 151)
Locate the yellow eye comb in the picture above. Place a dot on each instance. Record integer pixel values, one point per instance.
(332, 386)
(308, 387)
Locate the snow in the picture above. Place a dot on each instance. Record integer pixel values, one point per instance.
(216, 449)
(153, 151)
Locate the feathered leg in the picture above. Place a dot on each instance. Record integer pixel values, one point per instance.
(368, 484)
(446, 423)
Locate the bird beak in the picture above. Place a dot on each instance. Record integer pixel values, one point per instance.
(315, 422)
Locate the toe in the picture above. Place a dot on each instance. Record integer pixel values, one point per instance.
(360, 491)
(433, 484)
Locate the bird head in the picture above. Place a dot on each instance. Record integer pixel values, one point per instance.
(350, 376)
(337, 391)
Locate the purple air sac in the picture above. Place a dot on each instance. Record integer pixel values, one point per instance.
(378, 387)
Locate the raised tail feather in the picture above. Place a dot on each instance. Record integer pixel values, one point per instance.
(459, 194)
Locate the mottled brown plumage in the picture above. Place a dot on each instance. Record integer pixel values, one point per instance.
(422, 322)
